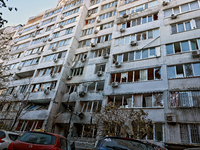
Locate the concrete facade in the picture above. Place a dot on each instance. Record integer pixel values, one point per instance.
(140, 54)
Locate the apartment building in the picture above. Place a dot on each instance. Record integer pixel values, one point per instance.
(74, 59)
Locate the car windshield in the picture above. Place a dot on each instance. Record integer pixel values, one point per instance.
(124, 144)
(38, 138)
(13, 137)
(2, 134)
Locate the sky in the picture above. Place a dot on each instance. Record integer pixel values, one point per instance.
(26, 9)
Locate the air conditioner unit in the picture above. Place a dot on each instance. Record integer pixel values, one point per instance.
(99, 73)
(116, 5)
(15, 42)
(125, 15)
(19, 68)
(133, 43)
(122, 30)
(37, 27)
(62, 17)
(195, 54)
(83, 59)
(170, 118)
(89, 14)
(39, 52)
(93, 44)
(44, 40)
(96, 31)
(61, 26)
(52, 75)
(15, 95)
(53, 49)
(69, 77)
(55, 60)
(81, 90)
(33, 35)
(164, 3)
(49, 39)
(106, 56)
(20, 33)
(98, 20)
(115, 84)
(117, 64)
(173, 16)
(46, 91)
(4, 57)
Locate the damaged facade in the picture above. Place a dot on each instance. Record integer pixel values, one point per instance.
(70, 61)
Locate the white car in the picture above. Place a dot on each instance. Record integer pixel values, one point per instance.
(6, 138)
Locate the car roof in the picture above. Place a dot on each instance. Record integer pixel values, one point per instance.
(9, 132)
(47, 133)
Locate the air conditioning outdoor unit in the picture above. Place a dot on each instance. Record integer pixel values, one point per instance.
(46, 91)
(61, 26)
(122, 30)
(196, 54)
(133, 43)
(53, 49)
(96, 31)
(44, 40)
(125, 15)
(170, 118)
(69, 77)
(33, 35)
(81, 90)
(173, 16)
(89, 14)
(164, 3)
(99, 73)
(15, 42)
(62, 17)
(49, 39)
(19, 68)
(83, 59)
(52, 75)
(93, 44)
(37, 27)
(55, 60)
(4, 57)
(39, 52)
(117, 64)
(106, 56)
(15, 95)
(98, 20)
(115, 84)
(20, 33)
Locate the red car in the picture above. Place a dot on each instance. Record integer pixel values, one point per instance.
(40, 141)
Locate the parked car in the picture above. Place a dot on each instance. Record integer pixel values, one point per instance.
(6, 138)
(33, 140)
(120, 143)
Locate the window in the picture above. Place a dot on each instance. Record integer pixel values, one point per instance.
(49, 20)
(90, 21)
(91, 106)
(100, 67)
(181, 27)
(181, 9)
(42, 86)
(39, 40)
(55, 35)
(69, 30)
(80, 57)
(102, 39)
(87, 31)
(59, 55)
(92, 11)
(77, 71)
(15, 56)
(136, 55)
(23, 89)
(93, 2)
(48, 71)
(84, 130)
(109, 5)
(107, 15)
(25, 37)
(34, 124)
(137, 75)
(30, 28)
(84, 43)
(71, 12)
(11, 90)
(60, 43)
(11, 66)
(34, 51)
(185, 70)
(100, 52)
(52, 13)
(189, 133)
(29, 62)
(138, 8)
(73, 4)
(137, 37)
(21, 46)
(50, 27)
(67, 21)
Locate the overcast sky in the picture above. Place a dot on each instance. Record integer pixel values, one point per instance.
(26, 9)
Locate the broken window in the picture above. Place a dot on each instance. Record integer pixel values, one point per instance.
(100, 67)
(179, 71)
(130, 76)
(91, 87)
(137, 76)
(124, 77)
(158, 132)
(25, 125)
(90, 106)
(100, 86)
